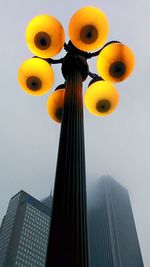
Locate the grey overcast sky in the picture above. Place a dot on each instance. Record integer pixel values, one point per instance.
(118, 145)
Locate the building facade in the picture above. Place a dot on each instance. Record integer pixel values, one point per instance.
(24, 232)
(113, 239)
(112, 232)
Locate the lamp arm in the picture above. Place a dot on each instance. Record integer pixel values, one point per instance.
(93, 75)
(94, 54)
(52, 61)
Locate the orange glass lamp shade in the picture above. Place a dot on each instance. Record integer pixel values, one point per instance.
(35, 76)
(45, 36)
(88, 28)
(101, 98)
(115, 62)
(55, 104)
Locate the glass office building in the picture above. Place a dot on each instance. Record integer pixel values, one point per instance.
(112, 233)
(24, 232)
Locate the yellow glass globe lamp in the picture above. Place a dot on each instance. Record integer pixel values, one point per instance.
(101, 98)
(55, 104)
(45, 36)
(88, 28)
(115, 62)
(35, 76)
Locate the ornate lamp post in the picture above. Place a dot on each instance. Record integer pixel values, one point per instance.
(88, 30)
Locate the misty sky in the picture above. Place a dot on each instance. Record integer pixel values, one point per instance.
(117, 145)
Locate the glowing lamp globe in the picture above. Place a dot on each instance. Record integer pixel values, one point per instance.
(115, 62)
(55, 105)
(88, 28)
(35, 76)
(101, 98)
(45, 36)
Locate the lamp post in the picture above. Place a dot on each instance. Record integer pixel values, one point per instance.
(88, 30)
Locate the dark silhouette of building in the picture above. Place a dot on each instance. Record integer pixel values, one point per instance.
(24, 232)
(112, 232)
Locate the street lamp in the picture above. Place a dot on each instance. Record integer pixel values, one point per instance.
(88, 30)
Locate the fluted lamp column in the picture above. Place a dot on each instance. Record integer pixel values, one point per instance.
(68, 233)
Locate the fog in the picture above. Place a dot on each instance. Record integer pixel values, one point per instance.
(117, 145)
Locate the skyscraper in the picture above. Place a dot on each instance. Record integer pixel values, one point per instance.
(112, 232)
(24, 232)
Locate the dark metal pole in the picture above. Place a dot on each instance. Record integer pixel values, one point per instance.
(68, 242)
